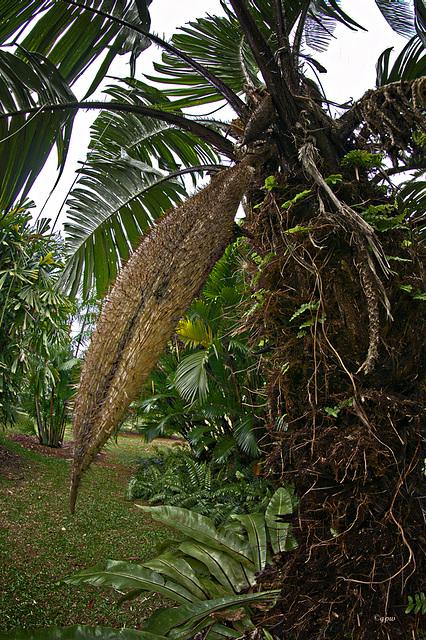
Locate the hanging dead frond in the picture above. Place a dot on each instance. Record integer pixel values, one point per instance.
(150, 296)
(389, 114)
(362, 236)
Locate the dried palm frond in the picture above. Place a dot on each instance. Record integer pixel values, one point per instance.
(150, 295)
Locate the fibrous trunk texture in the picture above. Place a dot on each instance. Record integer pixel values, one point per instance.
(350, 438)
(152, 292)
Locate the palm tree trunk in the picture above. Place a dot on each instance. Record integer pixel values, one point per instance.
(354, 442)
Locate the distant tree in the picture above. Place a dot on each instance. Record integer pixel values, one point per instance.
(35, 315)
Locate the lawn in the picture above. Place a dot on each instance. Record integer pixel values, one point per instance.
(41, 543)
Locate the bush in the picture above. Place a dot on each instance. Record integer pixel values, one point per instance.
(212, 490)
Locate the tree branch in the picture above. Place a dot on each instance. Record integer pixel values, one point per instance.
(208, 135)
(233, 100)
(284, 49)
(277, 88)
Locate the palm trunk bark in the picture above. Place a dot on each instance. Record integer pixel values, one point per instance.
(354, 442)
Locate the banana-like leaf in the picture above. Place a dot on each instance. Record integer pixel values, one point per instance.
(73, 37)
(227, 571)
(79, 632)
(280, 504)
(178, 569)
(202, 529)
(124, 575)
(255, 525)
(176, 621)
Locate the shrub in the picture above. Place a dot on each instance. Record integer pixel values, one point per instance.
(212, 490)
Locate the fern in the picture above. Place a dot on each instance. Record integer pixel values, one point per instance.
(417, 604)
(178, 479)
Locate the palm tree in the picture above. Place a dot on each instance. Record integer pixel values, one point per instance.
(339, 289)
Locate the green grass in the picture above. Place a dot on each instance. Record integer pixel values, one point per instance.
(41, 543)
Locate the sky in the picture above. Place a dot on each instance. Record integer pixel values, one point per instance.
(350, 61)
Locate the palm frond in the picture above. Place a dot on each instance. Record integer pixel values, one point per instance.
(409, 64)
(191, 378)
(122, 189)
(413, 192)
(194, 332)
(72, 36)
(27, 139)
(217, 43)
(111, 208)
(146, 139)
(245, 436)
(399, 16)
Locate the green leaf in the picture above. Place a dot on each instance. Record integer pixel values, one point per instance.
(189, 615)
(399, 16)
(297, 198)
(74, 37)
(195, 332)
(307, 306)
(255, 525)
(280, 504)
(218, 44)
(123, 575)
(179, 570)
(191, 376)
(233, 575)
(202, 529)
(27, 139)
(79, 632)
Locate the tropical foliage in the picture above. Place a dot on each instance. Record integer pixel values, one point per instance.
(338, 300)
(216, 490)
(47, 396)
(35, 316)
(212, 570)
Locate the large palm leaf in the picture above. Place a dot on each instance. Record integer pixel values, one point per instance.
(51, 56)
(122, 189)
(72, 36)
(26, 139)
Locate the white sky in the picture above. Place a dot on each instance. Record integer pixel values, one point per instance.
(350, 60)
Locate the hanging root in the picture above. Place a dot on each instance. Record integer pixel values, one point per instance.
(362, 236)
(152, 292)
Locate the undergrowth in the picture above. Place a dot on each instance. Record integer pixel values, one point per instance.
(217, 491)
